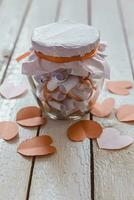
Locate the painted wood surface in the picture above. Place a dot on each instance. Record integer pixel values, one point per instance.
(113, 170)
(66, 174)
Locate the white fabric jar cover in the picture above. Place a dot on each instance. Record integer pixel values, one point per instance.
(66, 40)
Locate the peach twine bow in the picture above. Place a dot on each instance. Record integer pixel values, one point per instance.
(58, 59)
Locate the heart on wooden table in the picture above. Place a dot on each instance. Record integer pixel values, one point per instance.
(119, 87)
(37, 146)
(111, 139)
(9, 90)
(84, 129)
(8, 130)
(125, 113)
(30, 116)
(104, 109)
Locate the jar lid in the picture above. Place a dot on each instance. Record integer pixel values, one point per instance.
(65, 39)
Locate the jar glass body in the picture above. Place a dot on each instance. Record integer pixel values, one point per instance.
(66, 96)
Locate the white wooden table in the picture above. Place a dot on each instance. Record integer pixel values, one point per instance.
(78, 171)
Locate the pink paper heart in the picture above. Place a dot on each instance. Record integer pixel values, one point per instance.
(125, 113)
(104, 109)
(119, 87)
(9, 90)
(111, 139)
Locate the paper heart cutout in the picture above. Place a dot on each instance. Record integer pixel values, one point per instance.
(8, 130)
(104, 109)
(37, 146)
(30, 116)
(111, 139)
(125, 113)
(9, 90)
(119, 87)
(84, 129)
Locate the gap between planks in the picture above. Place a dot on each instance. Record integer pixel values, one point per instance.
(31, 170)
(89, 12)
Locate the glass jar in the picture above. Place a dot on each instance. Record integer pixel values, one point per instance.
(68, 67)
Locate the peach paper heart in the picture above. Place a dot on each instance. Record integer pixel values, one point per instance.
(30, 116)
(84, 129)
(8, 130)
(104, 109)
(125, 113)
(119, 87)
(37, 146)
(111, 139)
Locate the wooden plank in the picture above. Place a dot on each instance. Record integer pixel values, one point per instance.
(11, 20)
(74, 11)
(15, 170)
(66, 174)
(127, 13)
(0, 2)
(114, 169)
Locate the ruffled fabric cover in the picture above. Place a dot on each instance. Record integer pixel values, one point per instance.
(66, 40)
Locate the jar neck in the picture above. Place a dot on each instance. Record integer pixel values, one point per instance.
(66, 59)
